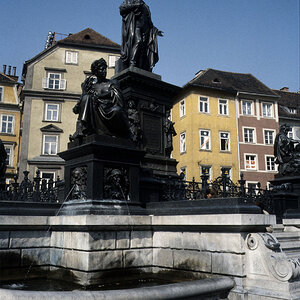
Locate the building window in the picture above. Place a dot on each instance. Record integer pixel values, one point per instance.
(72, 57)
(249, 135)
(267, 110)
(290, 134)
(251, 163)
(292, 110)
(227, 171)
(10, 155)
(206, 170)
(224, 141)
(7, 124)
(52, 112)
(203, 104)
(247, 107)
(270, 163)
(269, 137)
(112, 61)
(182, 108)
(183, 142)
(1, 93)
(204, 139)
(183, 173)
(54, 82)
(252, 187)
(223, 107)
(50, 144)
(47, 175)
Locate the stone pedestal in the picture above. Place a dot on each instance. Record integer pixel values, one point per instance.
(153, 98)
(287, 196)
(102, 168)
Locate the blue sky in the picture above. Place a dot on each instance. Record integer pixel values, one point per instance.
(248, 36)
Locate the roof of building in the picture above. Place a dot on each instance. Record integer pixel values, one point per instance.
(288, 102)
(6, 78)
(230, 82)
(88, 36)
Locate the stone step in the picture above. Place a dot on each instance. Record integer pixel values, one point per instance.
(287, 235)
(293, 254)
(290, 245)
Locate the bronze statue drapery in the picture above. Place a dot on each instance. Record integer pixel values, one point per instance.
(100, 109)
(139, 36)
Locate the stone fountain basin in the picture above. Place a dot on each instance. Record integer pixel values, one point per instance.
(205, 289)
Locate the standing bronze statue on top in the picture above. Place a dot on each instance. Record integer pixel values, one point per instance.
(139, 36)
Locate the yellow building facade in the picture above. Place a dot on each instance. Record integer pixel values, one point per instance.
(206, 140)
(10, 120)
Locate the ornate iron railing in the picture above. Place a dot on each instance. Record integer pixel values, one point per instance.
(174, 189)
(38, 190)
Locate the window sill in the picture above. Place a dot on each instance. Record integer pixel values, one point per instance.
(45, 155)
(226, 152)
(50, 121)
(226, 116)
(205, 150)
(181, 153)
(48, 89)
(204, 113)
(7, 134)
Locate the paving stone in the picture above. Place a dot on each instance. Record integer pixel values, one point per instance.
(141, 239)
(192, 260)
(138, 258)
(29, 239)
(4, 239)
(39, 256)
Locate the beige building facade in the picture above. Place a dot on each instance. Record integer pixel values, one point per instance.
(10, 119)
(52, 87)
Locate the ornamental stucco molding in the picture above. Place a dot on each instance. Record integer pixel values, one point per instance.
(266, 258)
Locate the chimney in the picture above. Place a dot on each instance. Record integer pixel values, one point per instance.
(4, 69)
(9, 70)
(14, 71)
(285, 89)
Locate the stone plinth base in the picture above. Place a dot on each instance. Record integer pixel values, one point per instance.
(91, 248)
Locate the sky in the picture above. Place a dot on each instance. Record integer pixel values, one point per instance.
(260, 37)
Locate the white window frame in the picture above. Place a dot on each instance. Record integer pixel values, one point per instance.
(71, 57)
(273, 137)
(183, 170)
(230, 171)
(182, 142)
(51, 119)
(204, 142)
(266, 163)
(1, 93)
(58, 82)
(251, 108)
(182, 110)
(255, 159)
(292, 110)
(112, 59)
(220, 135)
(44, 144)
(205, 104)
(7, 122)
(47, 172)
(254, 135)
(10, 157)
(264, 111)
(223, 107)
(209, 173)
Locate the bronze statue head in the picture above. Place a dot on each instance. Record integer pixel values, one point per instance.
(99, 65)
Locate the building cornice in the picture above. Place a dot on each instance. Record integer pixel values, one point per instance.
(51, 94)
